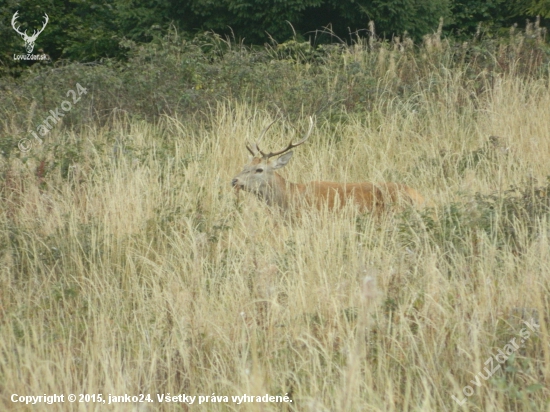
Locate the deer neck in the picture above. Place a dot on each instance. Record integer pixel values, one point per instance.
(281, 192)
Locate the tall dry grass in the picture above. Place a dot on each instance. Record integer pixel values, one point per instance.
(129, 266)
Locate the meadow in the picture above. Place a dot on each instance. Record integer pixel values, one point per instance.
(130, 266)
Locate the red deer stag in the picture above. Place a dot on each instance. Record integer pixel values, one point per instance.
(260, 178)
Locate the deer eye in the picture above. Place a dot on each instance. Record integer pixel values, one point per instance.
(260, 170)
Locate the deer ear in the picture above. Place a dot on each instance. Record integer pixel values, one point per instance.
(282, 161)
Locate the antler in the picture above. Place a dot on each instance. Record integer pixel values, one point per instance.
(13, 21)
(24, 34)
(290, 145)
(256, 147)
(35, 35)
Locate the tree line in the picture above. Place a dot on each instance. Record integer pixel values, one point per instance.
(83, 30)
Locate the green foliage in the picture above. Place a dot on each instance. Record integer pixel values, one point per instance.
(250, 19)
(173, 75)
(532, 8)
(467, 15)
(90, 31)
(539, 8)
(395, 17)
(77, 30)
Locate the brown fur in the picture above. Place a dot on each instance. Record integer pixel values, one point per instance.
(275, 190)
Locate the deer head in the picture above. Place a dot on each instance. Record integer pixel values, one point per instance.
(259, 176)
(29, 40)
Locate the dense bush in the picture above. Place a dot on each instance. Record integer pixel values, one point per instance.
(185, 77)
